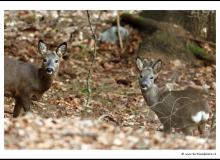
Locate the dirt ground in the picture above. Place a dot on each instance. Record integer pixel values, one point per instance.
(118, 117)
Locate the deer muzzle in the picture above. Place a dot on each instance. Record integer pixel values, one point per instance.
(49, 70)
(144, 85)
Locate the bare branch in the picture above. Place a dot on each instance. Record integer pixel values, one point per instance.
(89, 77)
(118, 29)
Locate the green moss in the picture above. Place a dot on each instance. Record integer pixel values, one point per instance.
(168, 43)
(197, 51)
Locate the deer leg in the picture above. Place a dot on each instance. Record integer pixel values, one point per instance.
(166, 128)
(189, 130)
(18, 106)
(26, 103)
(201, 128)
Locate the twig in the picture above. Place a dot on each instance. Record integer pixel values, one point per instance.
(213, 124)
(89, 77)
(118, 29)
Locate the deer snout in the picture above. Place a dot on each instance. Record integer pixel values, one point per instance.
(145, 85)
(49, 70)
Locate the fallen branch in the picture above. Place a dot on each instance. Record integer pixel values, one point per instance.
(89, 77)
(198, 41)
(143, 24)
(201, 53)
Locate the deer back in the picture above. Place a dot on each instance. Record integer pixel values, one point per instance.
(178, 107)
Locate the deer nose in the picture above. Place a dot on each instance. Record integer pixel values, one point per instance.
(49, 70)
(144, 85)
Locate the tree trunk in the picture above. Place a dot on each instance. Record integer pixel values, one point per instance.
(201, 23)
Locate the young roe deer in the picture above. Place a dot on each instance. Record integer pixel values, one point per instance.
(185, 110)
(25, 82)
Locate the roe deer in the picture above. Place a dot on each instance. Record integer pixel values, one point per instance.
(25, 82)
(185, 110)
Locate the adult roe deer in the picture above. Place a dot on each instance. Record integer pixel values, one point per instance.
(185, 110)
(25, 82)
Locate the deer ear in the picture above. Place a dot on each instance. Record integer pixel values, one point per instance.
(61, 49)
(157, 66)
(140, 64)
(42, 47)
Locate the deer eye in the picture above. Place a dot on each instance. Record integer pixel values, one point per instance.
(56, 61)
(151, 77)
(45, 60)
(141, 76)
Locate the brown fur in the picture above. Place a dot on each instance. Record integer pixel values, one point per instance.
(25, 82)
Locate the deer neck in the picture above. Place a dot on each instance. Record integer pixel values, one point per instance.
(151, 95)
(46, 80)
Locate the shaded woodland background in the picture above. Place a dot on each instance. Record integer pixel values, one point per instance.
(117, 117)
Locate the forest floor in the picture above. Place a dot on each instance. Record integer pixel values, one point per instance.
(117, 117)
